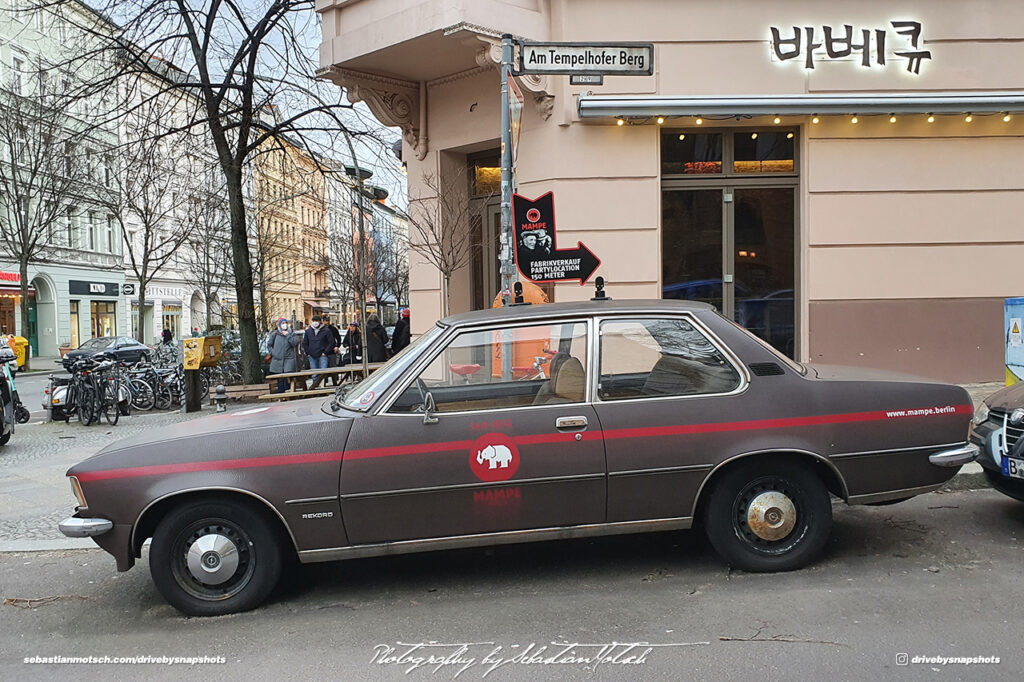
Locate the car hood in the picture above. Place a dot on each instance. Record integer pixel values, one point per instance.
(843, 373)
(211, 437)
(1008, 398)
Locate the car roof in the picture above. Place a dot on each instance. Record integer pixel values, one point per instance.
(575, 308)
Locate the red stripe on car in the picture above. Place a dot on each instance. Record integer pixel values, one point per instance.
(536, 439)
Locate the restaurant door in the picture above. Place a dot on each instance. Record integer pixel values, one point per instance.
(729, 234)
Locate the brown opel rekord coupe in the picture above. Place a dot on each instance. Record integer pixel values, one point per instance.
(520, 424)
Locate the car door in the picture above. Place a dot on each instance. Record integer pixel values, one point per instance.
(662, 386)
(512, 447)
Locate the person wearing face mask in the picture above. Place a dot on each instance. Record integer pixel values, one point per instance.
(281, 345)
(318, 342)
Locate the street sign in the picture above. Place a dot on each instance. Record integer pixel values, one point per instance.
(537, 256)
(613, 59)
(128, 289)
(585, 79)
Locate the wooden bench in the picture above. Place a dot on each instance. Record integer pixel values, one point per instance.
(297, 395)
(298, 380)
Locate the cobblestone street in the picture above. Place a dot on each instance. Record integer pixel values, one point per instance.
(34, 494)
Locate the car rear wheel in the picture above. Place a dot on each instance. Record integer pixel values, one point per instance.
(212, 558)
(768, 516)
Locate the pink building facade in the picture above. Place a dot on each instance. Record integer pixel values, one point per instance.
(841, 178)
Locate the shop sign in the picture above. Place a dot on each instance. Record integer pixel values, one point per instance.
(537, 255)
(828, 43)
(618, 59)
(10, 276)
(93, 288)
(128, 289)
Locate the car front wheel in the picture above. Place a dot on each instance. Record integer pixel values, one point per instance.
(768, 516)
(212, 558)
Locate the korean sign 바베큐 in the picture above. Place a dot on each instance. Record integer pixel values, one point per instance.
(618, 59)
(842, 43)
(537, 257)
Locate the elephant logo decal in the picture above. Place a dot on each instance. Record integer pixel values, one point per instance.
(494, 457)
(497, 455)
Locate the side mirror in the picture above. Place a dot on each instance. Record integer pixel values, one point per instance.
(428, 409)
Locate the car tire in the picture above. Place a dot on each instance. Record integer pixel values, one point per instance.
(4, 439)
(768, 516)
(237, 534)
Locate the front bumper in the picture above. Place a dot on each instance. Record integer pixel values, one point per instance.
(76, 527)
(956, 457)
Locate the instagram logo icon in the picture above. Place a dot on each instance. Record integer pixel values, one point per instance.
(902, 659)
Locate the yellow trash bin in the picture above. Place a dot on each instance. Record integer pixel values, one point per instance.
(19, 344)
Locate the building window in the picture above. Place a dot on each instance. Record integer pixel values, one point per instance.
(91, 232)
(104, 318)
(749, 152)
(17, 67)
(691, 153)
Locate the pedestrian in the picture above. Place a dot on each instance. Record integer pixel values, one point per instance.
(376, 339)
(318, 342)
(335, 359)
(167, 336)
(281, 346)
(400, 337)
(353, 344)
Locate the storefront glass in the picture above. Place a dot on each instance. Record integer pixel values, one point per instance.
(763, 152)
(691, 153)
(172, 319)
(8, 305)
(75, 340)
(104, 318)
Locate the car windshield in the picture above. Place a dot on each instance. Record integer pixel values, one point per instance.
(363, 395)
(97, 343)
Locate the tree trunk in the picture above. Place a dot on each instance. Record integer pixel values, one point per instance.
(142, 312)
(23, 269)
(252, 372)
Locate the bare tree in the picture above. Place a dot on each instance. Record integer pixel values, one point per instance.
(440, 227)
(44, 173)
(207, 257)
(238, 60)
(151, 198)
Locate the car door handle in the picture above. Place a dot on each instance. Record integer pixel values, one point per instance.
(570, 422)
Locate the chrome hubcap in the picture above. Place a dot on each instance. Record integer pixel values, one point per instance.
(771, 515)
(212, 559)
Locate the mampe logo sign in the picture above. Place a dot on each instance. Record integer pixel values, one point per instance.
(537, 255)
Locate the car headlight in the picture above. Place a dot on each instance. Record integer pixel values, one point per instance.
(76, 488)
(981, 414)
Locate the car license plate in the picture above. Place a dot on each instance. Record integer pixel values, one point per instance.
(1013, 468)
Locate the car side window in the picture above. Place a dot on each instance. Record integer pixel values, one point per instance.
(659, 357)
(546, 366)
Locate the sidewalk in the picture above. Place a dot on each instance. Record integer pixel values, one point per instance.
(35, 494)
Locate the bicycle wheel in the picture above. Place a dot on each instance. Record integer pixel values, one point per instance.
(111, 411)
(87, 404)
(143, 397)
(162, 395)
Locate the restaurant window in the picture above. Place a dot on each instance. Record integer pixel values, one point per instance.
(763, 152)
(691, 153)
(104, 318)
(747, 153)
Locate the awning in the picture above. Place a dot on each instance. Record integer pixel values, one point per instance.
(318, 305)
(643, 106)
(16, 291)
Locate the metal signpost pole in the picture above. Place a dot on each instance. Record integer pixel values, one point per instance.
(507, 262)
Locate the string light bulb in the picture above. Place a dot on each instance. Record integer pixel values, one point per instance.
(620, 122)
(699, 121)
(931, 118)
(1006, 117)
(776, 120)
(661, 119)
(815, 120)
(968, 118)
(753, 136)
(854, 119)
(789, 136)
(892, 119)
(682, 136)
